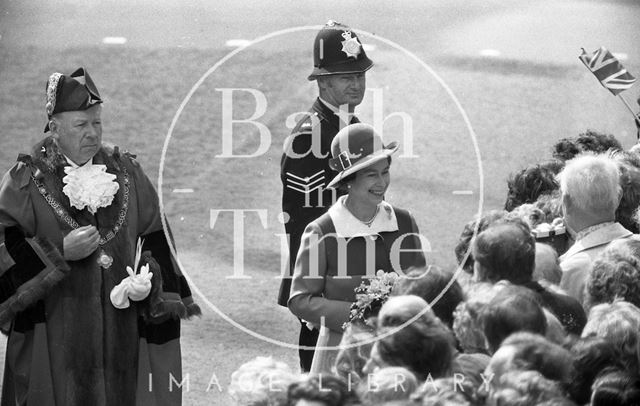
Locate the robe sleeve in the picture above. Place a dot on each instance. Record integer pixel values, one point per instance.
(306, 300)
(30, 266)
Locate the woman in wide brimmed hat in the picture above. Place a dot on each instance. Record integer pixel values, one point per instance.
(359, 235)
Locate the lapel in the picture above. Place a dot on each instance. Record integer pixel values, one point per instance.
(599, 237)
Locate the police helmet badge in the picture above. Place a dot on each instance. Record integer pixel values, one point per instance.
(350, 46)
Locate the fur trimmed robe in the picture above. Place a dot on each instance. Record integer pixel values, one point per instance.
(67, 344)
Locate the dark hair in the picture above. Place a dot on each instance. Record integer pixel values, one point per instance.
(593, 141)
(591, 355)
(616, 387)
(529, 183)
(536, 353)
(513, 309)
(428, 283)
(506, 250)
(326, 388)
(425, 348)
(468, 232)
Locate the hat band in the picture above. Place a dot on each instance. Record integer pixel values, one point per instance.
(52, 89)
(345, 161)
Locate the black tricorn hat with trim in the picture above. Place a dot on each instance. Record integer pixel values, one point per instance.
(70, 93)
(338, 50)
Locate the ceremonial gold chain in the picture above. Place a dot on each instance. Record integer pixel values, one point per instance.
(64, 215)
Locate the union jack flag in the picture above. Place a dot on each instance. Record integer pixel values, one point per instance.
(608, 70)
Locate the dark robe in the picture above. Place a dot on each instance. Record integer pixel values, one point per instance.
(67, 344)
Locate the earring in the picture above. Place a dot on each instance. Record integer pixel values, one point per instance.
(348, 186)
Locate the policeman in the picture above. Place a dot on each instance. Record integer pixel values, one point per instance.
(340, 63)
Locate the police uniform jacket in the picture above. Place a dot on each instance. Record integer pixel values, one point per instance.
(305, 172)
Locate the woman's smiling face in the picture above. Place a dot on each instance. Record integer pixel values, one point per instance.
(371, 183)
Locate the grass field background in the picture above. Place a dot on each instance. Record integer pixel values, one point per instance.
(517, 109)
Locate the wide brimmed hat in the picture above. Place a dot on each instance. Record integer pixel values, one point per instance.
(355, 147)
(338, 50)
(70, 93)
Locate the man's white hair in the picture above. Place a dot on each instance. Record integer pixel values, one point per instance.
(592, 182)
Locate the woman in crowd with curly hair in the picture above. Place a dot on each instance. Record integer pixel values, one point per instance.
(615, 274)
(618, 322)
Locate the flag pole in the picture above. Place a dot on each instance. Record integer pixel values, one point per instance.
(635, 115)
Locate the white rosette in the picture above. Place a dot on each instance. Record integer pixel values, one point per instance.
(90, 186)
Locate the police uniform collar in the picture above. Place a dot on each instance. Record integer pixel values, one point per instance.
(335, 110)
(325, 113)
(347, 225)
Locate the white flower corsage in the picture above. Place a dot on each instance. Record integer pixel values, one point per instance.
(90, 186)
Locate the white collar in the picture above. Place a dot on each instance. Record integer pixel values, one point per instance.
(76, 166)
(347, 225)
(337, 111)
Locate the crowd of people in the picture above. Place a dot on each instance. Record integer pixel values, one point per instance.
(543, 308)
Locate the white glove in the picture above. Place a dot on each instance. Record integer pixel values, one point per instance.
(135, 287)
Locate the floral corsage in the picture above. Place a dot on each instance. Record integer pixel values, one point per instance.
(370, 296)
(90, 186)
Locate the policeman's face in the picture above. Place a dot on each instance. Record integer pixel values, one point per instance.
(343, 89)
(78, 133)
(370, 184)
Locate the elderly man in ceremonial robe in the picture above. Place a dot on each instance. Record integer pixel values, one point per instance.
(90, 296)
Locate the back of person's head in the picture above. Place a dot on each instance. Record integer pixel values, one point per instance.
(468, 370)
(424, 347)
(326, 389)
(513, 309)
(505, 250)
(443, 392)
(590, 184)
(526, 185)
(591, 355)
(615, 274)
(398, 310)
(430, 284)
(547, 267)
(386, 385)
(467, 325)
(355, 348)
(261, 381)
(616, 387)
(531, 352)
(589, 141)
(618, 322)
(524, 388)
(462, 249)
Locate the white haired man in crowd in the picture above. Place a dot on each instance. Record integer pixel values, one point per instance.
(591, 192)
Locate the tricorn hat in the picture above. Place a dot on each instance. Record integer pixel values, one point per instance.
(337, 50)
(355, 147)
(70, 93)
